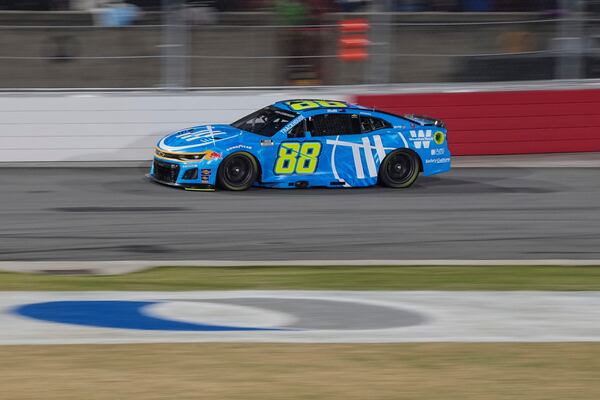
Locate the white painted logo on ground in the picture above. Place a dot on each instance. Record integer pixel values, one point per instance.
(315, 316)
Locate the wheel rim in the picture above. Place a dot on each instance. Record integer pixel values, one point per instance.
(400, 168)
(238, 170)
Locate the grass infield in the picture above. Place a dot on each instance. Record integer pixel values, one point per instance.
(449, 371)
(322, 278)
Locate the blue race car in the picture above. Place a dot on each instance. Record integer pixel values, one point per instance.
(304, 143)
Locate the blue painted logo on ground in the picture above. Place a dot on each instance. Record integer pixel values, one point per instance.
(116, 314)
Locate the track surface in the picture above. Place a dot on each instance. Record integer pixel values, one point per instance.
(475, 213)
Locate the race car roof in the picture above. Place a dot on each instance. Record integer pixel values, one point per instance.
(303, 105)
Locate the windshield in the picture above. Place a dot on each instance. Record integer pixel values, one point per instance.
(266, 121)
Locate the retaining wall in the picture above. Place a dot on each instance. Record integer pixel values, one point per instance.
(113, 126)
(71, 126)
(512, 122)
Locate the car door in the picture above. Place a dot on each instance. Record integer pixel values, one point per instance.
(297, 157)
(285, 156)
(346, 156)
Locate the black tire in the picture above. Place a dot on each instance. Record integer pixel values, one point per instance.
(237, 172)
(399, 169)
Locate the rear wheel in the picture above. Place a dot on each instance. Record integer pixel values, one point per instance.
(237, 172)
(399, 169)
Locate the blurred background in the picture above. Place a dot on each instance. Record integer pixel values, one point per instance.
(112, 44)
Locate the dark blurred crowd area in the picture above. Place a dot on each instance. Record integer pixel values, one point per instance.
(323, 5)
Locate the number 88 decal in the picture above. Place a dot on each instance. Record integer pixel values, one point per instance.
(299, 158)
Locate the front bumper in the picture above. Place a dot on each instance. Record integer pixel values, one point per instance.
(187, 175)
(196, 187)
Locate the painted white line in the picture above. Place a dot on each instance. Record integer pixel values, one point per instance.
(124, 267)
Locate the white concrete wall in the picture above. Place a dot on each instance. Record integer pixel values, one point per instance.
(114, 126)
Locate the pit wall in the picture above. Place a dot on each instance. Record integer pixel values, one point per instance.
(42, 127)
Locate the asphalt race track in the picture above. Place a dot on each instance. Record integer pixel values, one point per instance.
(470, 213)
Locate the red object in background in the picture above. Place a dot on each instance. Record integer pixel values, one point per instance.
(353, 40)
(354, 26)
(353, 54)
(515, 122)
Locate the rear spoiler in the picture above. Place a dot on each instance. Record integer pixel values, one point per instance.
(424, 121)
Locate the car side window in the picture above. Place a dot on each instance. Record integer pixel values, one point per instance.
(332, 124)
(370, 124)
(298, 130)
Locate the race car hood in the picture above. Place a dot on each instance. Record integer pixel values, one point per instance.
(201, 138)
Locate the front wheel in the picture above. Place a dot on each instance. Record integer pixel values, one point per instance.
(237, 172)
(399, 169)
